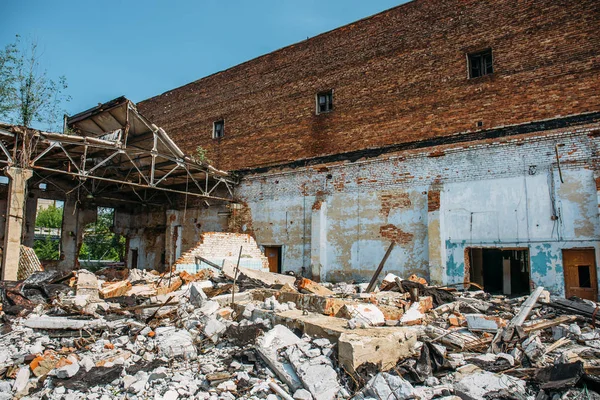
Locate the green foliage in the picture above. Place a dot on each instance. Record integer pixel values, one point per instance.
(47, 249)
(27, 95)
(99, 242)
(50, 217)
(201, 155)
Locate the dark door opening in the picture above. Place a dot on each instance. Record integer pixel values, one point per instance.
(273, 254)
(500, 271)
(134, 258)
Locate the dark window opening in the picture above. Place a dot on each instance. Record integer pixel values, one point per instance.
(324, 102)
(585, 278)
(480, 64)
(218, 129)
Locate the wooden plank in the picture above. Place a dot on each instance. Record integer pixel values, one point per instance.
(379, 268)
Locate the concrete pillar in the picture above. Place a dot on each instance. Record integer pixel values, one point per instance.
(15, 211)
(71, 236)
(318, 240)
(69, 250)
(436, 262)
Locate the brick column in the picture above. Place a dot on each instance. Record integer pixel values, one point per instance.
(15, 211)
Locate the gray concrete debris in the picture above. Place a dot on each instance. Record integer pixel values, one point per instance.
(202, 346)
(478, 384)
(173, 342)
(268, 346)
(386, 386)
(197, 296)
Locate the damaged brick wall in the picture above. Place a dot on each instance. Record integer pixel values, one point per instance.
(375, 206)
(399, 76)
(219, 246)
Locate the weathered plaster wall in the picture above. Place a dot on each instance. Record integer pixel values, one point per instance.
(434, 205)
(517, 212)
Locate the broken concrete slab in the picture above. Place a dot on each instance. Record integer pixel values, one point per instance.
(46, 322)
(266, 278)
(267, 347)
(305, 285)
(386, 386)
(484, 323)
(197, 295)
(383, 348)
(87, 284)
(317, 374)
(362, 315)
(115, 289)
(478, 384)
(173, 342)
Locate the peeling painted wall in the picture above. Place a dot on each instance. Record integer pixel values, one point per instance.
(500, 193)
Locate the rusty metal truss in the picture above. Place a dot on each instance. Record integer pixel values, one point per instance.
(113, 143)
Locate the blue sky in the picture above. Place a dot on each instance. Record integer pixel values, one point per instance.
(143, 48)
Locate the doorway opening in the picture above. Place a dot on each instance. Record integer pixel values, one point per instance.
(273, 254)
(500, 271)
(580, 273)
(48, 229)
(101, 246)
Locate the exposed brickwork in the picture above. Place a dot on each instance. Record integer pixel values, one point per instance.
(486, 159)
(433, 200)
(390, 201)
(398, 76)
(240, 220)
(392, 232)
(219, 245)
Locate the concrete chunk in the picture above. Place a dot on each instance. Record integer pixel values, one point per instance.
(384, 349)
(386, 386)
(173, 342)
(268, 346)
(197, 295)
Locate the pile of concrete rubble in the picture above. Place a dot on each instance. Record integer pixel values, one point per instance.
(237, 333)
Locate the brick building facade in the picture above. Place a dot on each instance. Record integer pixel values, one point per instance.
(491, 179)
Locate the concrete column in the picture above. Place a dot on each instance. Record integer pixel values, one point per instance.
(15, 211)
(69, 250)
(318, 240)
(436, 263)
(71, 236)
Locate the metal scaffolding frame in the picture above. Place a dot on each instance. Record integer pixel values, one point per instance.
(113, 143)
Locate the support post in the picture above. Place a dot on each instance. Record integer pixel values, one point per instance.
(436, 263)
(15, 211)
(318, 240)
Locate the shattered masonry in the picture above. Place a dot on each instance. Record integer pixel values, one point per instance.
(251, 257)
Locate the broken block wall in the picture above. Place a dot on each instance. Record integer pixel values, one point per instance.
(336, 221)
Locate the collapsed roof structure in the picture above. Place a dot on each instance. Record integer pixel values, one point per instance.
(109, 154)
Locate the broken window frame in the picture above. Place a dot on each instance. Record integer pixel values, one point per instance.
(218, 129)
(480, 63)
(325, 106)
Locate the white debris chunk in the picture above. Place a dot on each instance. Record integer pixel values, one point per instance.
(173, 342)
(268, 346)
(477, 384)
(386, 386)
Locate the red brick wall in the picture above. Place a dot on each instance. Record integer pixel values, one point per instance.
(398, 76)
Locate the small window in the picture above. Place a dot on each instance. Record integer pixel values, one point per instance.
(585, 279)
(480, 63)
(218, 129)
(324, 102)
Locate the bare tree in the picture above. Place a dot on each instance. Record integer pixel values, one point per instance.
(27, 95)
